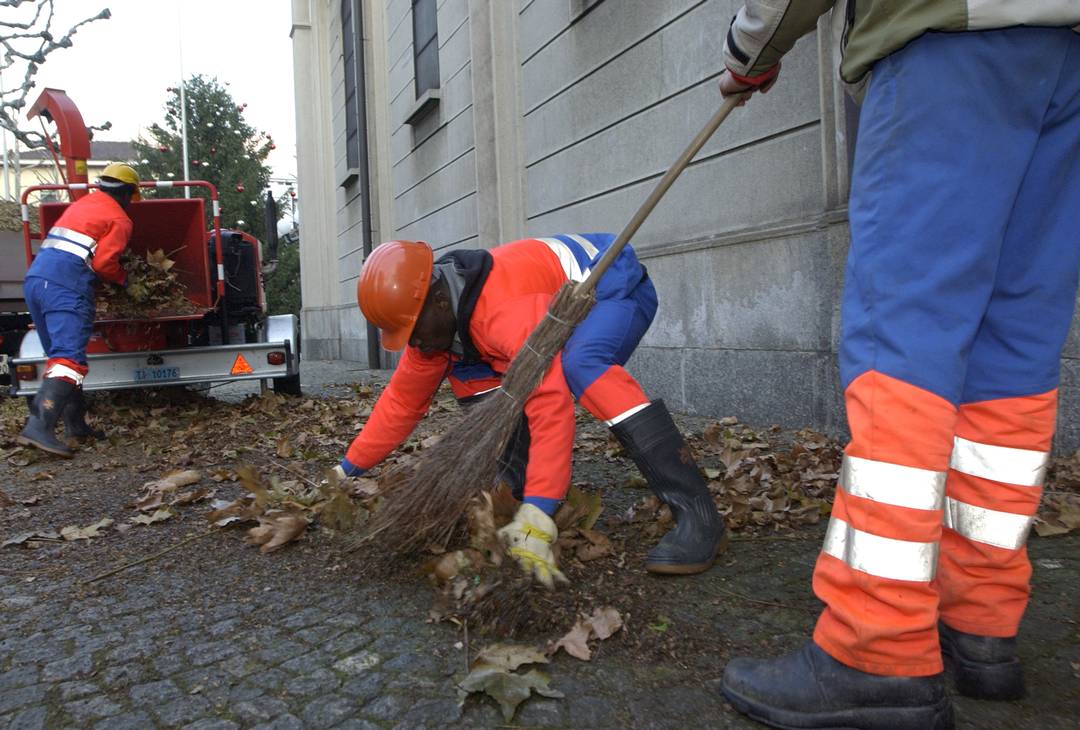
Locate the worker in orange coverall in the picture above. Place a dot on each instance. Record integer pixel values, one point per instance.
(84, 245)
(960, 287)
(465, 316)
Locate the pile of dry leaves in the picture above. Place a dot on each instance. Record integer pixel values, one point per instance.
(759, 486)
(153, 289)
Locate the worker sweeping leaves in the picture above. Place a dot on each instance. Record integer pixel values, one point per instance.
(465, 316)
(83, 245)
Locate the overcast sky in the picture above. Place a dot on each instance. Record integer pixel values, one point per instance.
(118, 70)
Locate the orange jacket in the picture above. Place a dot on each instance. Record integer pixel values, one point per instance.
(524, 277)
(95, 221)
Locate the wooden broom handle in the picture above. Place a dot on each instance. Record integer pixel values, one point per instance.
(646, 208)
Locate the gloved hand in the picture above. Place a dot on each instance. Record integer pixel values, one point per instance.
(732, 83)
(346, 469)
(528, 539)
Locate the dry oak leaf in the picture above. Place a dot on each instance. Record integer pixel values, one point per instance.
(276, 530)
(85, 533)
(444, 568)
(603, 623)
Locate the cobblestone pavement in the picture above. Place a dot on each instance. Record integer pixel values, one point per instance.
(215, 636)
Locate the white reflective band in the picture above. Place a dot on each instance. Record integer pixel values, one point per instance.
(73, 236)
(586, 245)
(163, 183)
(902, 486)
(217, 208)
(1001, 463)
(78, 186)
(25, 212)
(881, 556)
(67, 247)
(63, 371)
(1001, 529)
(221, 272)
(567, 259)
(626, 414)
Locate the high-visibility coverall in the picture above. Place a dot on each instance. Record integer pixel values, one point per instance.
(961, 283)
(524, 277)
(84, 244)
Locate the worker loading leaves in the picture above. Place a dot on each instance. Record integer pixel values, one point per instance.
(83, 245)
(466, 315)
(960, 286)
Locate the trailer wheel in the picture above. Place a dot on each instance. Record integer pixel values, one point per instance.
(289, 385)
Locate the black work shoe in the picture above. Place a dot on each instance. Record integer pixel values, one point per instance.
(75, 425)
(44, 413)
(653, 441)
(810, 689)
(984, 667)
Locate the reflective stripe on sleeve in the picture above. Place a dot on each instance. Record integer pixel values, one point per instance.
(884, 557)
(1001, 529)
(1000, 463)
(902, 486)
(567, 259)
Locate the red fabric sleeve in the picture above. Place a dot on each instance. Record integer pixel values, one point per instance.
(106, 261)
(400, 407)
(550, 408)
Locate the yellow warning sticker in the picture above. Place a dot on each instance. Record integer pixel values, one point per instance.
(80, 167)
(240, 366)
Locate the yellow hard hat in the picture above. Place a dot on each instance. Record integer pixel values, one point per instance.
(121, 174)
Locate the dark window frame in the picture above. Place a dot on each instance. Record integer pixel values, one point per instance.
(425, 48)
(349, 48)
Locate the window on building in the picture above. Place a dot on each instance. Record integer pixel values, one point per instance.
(349, 36)
(425, 46)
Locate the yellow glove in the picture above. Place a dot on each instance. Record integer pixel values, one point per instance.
(528, 539)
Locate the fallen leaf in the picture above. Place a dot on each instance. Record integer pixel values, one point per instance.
(1046, 529)
(285, 448)
(508, 689)
(575, 642)
(509, 656)
(249, 480)
(31, 536)
(598, 546)
(225, 513)
(159, 516)
(662, 624)
(191, 497)
(85, 533)
(446, 567)
(605, 622)
(579, 509)
(277, 530)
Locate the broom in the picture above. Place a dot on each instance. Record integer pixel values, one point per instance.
(426, 506)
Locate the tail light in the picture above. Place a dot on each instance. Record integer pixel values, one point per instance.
(26, 372)
(275, 358)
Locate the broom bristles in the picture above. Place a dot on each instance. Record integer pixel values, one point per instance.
(432, 497)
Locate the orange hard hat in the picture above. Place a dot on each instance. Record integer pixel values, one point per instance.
(392, 287)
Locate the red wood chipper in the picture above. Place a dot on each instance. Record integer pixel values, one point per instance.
(224, 336)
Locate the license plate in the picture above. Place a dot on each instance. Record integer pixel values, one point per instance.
(143, 375)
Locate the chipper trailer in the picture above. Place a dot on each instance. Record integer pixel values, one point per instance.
(225, 335)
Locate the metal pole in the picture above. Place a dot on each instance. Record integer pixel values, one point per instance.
(183, 97)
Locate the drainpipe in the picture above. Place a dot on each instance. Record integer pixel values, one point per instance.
(366, 230)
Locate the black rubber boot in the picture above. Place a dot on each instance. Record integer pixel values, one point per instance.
(810, 689)
(984, 667)
(75, 425)
(653, 441)
(44, 413)
(515, 458)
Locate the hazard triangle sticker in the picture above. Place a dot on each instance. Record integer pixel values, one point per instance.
(240, 366)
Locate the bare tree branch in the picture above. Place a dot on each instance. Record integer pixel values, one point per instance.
(29, 43)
